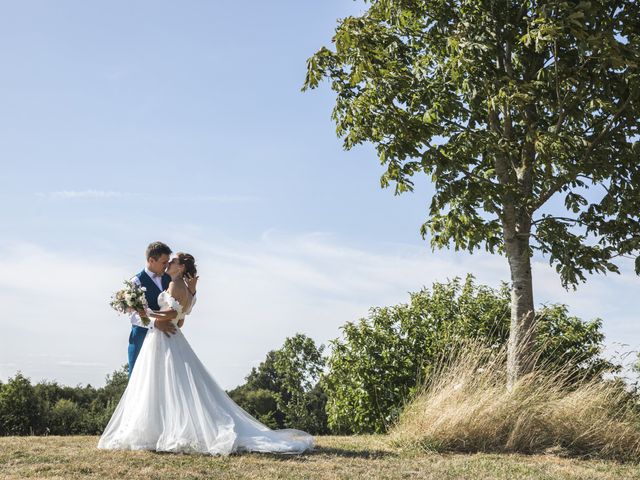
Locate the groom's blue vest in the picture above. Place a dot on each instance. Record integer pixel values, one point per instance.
(136, 338)
(152, 289)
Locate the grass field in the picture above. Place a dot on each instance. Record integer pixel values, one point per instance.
(357, 457)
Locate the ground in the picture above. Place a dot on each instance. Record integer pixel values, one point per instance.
(359, 457)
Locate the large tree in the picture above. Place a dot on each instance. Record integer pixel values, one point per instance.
(509, 107)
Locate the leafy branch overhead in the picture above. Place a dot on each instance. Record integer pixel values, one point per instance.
(513, 109)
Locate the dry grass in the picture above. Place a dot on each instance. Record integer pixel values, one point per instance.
(466, 407)
(358, 457)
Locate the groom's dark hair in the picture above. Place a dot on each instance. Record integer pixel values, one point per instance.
(155, 249)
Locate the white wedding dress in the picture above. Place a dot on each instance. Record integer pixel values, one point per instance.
(173, 404)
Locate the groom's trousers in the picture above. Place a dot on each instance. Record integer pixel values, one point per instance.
(136, 338)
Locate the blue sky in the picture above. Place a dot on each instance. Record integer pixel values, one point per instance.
(127, 122)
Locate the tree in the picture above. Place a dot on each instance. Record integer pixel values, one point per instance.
(506, 105)
(381, 360)
(22, 412)
(106, 400)
(299, 364)
(285, 389)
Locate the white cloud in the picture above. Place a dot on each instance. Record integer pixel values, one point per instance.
(75, 194)
(251, 296)
(111, 194)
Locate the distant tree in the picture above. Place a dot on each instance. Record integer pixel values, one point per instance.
(299, 364)
(22, 412)
(511, 108)
(115, 385)
(265, 376)
(51, 392)
(66, 418)
(106, 400)
(260, 393)
(284, 390)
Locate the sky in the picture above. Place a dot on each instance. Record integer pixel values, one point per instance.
(129, 122)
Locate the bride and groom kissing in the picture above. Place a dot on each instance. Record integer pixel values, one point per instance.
(172, 403)
(155, 278)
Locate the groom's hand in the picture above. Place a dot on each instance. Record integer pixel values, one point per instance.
(166, 327)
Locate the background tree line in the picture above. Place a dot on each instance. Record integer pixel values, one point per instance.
(361, 386)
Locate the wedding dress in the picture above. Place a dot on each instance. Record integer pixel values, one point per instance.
(173, 404)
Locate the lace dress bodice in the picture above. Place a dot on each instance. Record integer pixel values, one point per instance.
(167, 301)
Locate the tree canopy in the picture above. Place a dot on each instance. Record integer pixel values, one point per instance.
(451, 88)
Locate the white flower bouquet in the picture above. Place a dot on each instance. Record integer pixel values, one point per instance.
(130, 298)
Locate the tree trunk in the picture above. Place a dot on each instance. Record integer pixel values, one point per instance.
(520, 349)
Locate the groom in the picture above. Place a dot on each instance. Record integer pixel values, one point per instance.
(155, 280)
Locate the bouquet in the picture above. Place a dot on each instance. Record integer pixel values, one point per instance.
(130, 298)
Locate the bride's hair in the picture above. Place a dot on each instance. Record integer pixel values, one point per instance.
(189, 263)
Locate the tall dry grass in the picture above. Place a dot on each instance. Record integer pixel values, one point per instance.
(465, 406)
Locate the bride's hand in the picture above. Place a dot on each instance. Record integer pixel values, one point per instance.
(191, 282)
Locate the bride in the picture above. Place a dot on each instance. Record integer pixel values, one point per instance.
(173, 404)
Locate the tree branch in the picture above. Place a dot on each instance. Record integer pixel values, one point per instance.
(560, 180)
(564, 219)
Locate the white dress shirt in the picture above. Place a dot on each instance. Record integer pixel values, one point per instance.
(157, 279)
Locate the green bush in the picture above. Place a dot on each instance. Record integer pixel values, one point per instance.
(377, 365)
(261, 403)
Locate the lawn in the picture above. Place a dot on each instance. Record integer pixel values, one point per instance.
(357, 457)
